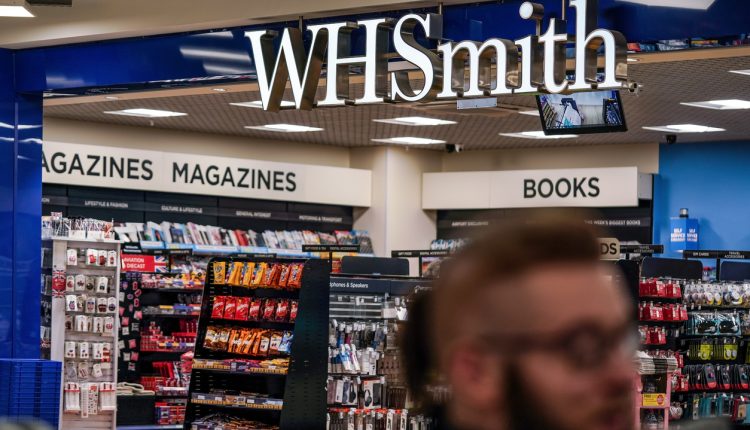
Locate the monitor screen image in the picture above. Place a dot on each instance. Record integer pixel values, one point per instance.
(579, 113)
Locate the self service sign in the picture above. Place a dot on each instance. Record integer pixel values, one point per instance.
(683, 234)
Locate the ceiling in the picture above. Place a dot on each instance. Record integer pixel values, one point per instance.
(665, 85)
(90, 20)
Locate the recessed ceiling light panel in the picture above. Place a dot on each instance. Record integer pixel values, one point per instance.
(283, 128)
(410, 141)
(415, 121)
(529, 112)
(146, 113)
(15, 9)
(741, 72)
(684, 128)
(730, 104)
(538, 135)
(680, 4)
(259, 105)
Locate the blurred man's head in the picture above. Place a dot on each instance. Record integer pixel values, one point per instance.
(532, 333)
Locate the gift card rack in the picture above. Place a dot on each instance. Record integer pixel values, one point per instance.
(293, 398)
(84, 319)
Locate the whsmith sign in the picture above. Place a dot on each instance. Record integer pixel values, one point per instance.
(541, 67)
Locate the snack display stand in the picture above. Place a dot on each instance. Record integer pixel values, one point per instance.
(83, 328)
(255, 360)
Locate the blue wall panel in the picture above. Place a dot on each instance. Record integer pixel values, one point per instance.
(712, 180)
(27, 222)
(7, 231)
(20, 216)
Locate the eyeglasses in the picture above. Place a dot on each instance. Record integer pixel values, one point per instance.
(584, 348)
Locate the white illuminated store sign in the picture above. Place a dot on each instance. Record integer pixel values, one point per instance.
(541, 67)
(598, 188)
(102, 166)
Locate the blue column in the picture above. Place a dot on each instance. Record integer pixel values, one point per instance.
(20, 213)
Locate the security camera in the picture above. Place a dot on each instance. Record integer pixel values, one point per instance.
(453, 147)
(633, 87)
(671, 139)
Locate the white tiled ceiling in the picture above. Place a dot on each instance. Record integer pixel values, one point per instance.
(665, 85)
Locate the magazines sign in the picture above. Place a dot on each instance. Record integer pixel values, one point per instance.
(74, 164)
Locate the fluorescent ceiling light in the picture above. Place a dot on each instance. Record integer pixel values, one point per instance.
(730, 104)
(220, 90)
(283, 128)
(15, 9)
(741, 72)
(633, 60)
(259, 104)
(111, 98)
(415, 120)
(46, 95)
(529, 112)
(538, 135)
(684, 128)
(680, 4)
(410, 141)
(146, 113)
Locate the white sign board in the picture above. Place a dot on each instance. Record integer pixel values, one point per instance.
(606, 187)
(103, 166)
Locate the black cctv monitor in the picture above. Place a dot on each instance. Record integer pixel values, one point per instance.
(581, 113)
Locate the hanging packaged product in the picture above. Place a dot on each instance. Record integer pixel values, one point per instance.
(92, 256)
(247, 278)
(71, 257)
(219, 272)
(111, 258)
(295, 275)
(260, 272)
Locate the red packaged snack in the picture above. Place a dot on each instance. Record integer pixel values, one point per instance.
(271, 276)
(295, 275)
(230, 308)
(269, 307)
(218, 309)
(282, 310)
(293, 306)
(253, 313)
(284, 275)
(243, 306)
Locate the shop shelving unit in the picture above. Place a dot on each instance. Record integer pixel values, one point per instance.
(665, 268)
(59, 335)
(366, 300)
(302, 387)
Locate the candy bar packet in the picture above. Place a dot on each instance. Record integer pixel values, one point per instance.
(219, 269)
(284, 275)
(295, 275)
(269, 308)
(217, 311)
(253, 313)
(243, 306)
(247, 279)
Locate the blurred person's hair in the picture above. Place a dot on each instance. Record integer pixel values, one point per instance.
(414, 342)
(457, 305)
(23, 424)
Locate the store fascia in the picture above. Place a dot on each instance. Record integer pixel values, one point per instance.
(542, 66)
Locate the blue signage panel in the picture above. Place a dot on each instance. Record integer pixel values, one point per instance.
(189, 58)
(683, 234)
